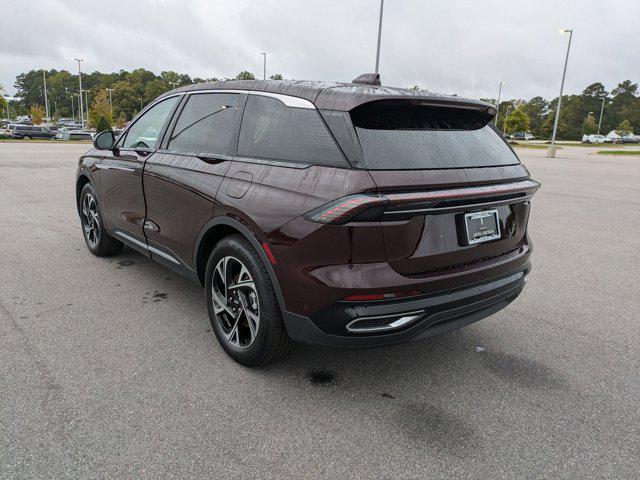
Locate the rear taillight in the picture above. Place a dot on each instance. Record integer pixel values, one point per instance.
(361, 207)
(391, 206)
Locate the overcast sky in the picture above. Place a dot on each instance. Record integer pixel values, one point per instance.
(465, 46)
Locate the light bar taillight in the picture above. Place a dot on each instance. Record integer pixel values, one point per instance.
(363, 207)
(343, 210)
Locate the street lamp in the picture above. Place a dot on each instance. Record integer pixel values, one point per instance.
(46, 99)
(86, 104)
(551, 152)
(174, 84)
(498, 104)
(379, 36)
(264, 65)
(110, 102)
(73, 111)
(80, 96)
(601, 112)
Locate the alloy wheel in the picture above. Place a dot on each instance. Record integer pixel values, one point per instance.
(235, 302)
(90, 222)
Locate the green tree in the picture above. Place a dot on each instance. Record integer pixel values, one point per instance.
(276, 76)
(100, 109)
(537, 110)
(155, 88)
(3, 107)
(517, 121)
(624, 95)
(589, 125)
(125, 100)
(103, 125)
(624, 128)
(245, 75)
(37, 114)
(632, 112)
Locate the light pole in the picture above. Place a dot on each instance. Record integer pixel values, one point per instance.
(86, 105)
(379, 36)
(46, 99)
(504, 124)
(141, 104)
(172, 84)
(80, 96)
(551, 152)
(498, 103)
(110, 102)
(264, 65)
(73, 111)
(601, 112)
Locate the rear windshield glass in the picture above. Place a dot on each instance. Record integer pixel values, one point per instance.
(409, 136)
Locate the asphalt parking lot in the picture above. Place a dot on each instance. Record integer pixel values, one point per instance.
(109, 367)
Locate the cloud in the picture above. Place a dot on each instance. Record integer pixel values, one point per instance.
(465, 47)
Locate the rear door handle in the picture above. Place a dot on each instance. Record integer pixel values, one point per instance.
(213, 160)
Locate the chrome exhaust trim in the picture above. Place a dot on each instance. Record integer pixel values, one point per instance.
(383, 323)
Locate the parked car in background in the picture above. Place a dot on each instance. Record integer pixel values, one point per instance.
(317, 211)
(523, 136)
(31, 131)
(595, 139)
(74, 135)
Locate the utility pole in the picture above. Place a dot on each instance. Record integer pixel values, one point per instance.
(264, 65)
(601, 112)
(379, 36)
(80, 96)
(46, 99)
(73, 111)
(551, 152)
(86, 106)
(504, 124)
(498, 103)
(110, 102)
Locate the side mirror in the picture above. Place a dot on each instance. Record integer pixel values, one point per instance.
(104, 140)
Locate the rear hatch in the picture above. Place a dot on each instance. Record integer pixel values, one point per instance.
(452, 190)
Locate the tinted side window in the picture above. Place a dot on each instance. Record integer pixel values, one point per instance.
(144, 133)
(272, 130)
(205, 124)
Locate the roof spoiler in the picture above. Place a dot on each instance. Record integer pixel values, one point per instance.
(367, 79)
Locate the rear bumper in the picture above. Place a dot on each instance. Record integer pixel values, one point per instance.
(441, 312)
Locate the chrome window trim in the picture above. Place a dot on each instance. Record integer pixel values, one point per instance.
(288, 100)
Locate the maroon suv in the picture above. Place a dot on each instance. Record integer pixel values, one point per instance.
(345, 214)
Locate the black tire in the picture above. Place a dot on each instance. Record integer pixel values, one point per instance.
(26, 136)
(98, 241)
(271, 340)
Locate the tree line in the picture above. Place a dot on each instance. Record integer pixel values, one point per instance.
(130, 91)
(580, 114)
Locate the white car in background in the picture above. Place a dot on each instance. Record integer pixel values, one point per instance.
(595, 139)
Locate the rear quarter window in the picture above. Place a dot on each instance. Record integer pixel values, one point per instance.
(272, 130)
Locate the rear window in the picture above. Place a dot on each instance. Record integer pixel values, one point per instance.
(272, 130)
(406, 135)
